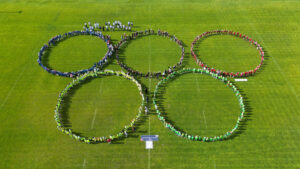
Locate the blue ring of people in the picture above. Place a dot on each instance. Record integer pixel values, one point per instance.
(182, 134)
(222, 72)
(126, 38)
(123, 133)
(58, 38)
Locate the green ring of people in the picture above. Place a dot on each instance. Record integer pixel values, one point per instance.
(196, 137)
(78, 80)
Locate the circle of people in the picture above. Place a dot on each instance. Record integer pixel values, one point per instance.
(56, 39)
(183, 134)
(126, 38)
(221, 72)
(171, 72)
(123, 133)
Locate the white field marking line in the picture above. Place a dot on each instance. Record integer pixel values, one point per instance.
(150, 49)
(285, 79)
(95, 113)
(92, 126)
(215, 167)
(83, 165)
(149, 84)
(204, 118)
(198, 90)
(278, 66)
(13, 87)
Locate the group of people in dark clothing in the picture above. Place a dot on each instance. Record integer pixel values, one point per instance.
(126, 38)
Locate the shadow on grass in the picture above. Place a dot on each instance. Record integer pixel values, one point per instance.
(186, 56)
(266, 56)
(160, 101)
(242, 126)
(67, 101)
(65, 118)
(10, 12)
(265, 62)
(247, 116)
(122, 57)
(45, 57)
(122, 50)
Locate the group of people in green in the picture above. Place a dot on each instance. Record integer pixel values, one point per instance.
(189, 136)
(89, 140)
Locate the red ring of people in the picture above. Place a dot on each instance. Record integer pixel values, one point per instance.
(221, 72)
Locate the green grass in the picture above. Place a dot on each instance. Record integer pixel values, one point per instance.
(101, 103)
(28, 95)
(76, 53)
(201, 105)
(149, 54)
(237, 55)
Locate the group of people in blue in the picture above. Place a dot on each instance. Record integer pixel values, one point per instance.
(56, 39)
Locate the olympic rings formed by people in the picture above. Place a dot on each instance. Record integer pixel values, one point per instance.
(224, 73)
(147, 33)
(189, 136)
(169, 74)
(58, 38)
(79, 79)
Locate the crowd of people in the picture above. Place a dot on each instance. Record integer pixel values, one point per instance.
(190, 136)
(96, 30)
(56, 39)
(89, 140)
(116, 25)
(221, 72)
(126, 38)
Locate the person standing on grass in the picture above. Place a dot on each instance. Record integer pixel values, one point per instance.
(125, 133)
(146, 110)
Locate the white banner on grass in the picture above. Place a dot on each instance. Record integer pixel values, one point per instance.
(241, 80)
(149, 144)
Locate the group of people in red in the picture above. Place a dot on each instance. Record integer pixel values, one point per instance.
(224, 73)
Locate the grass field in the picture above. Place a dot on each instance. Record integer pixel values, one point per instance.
(198, 104)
